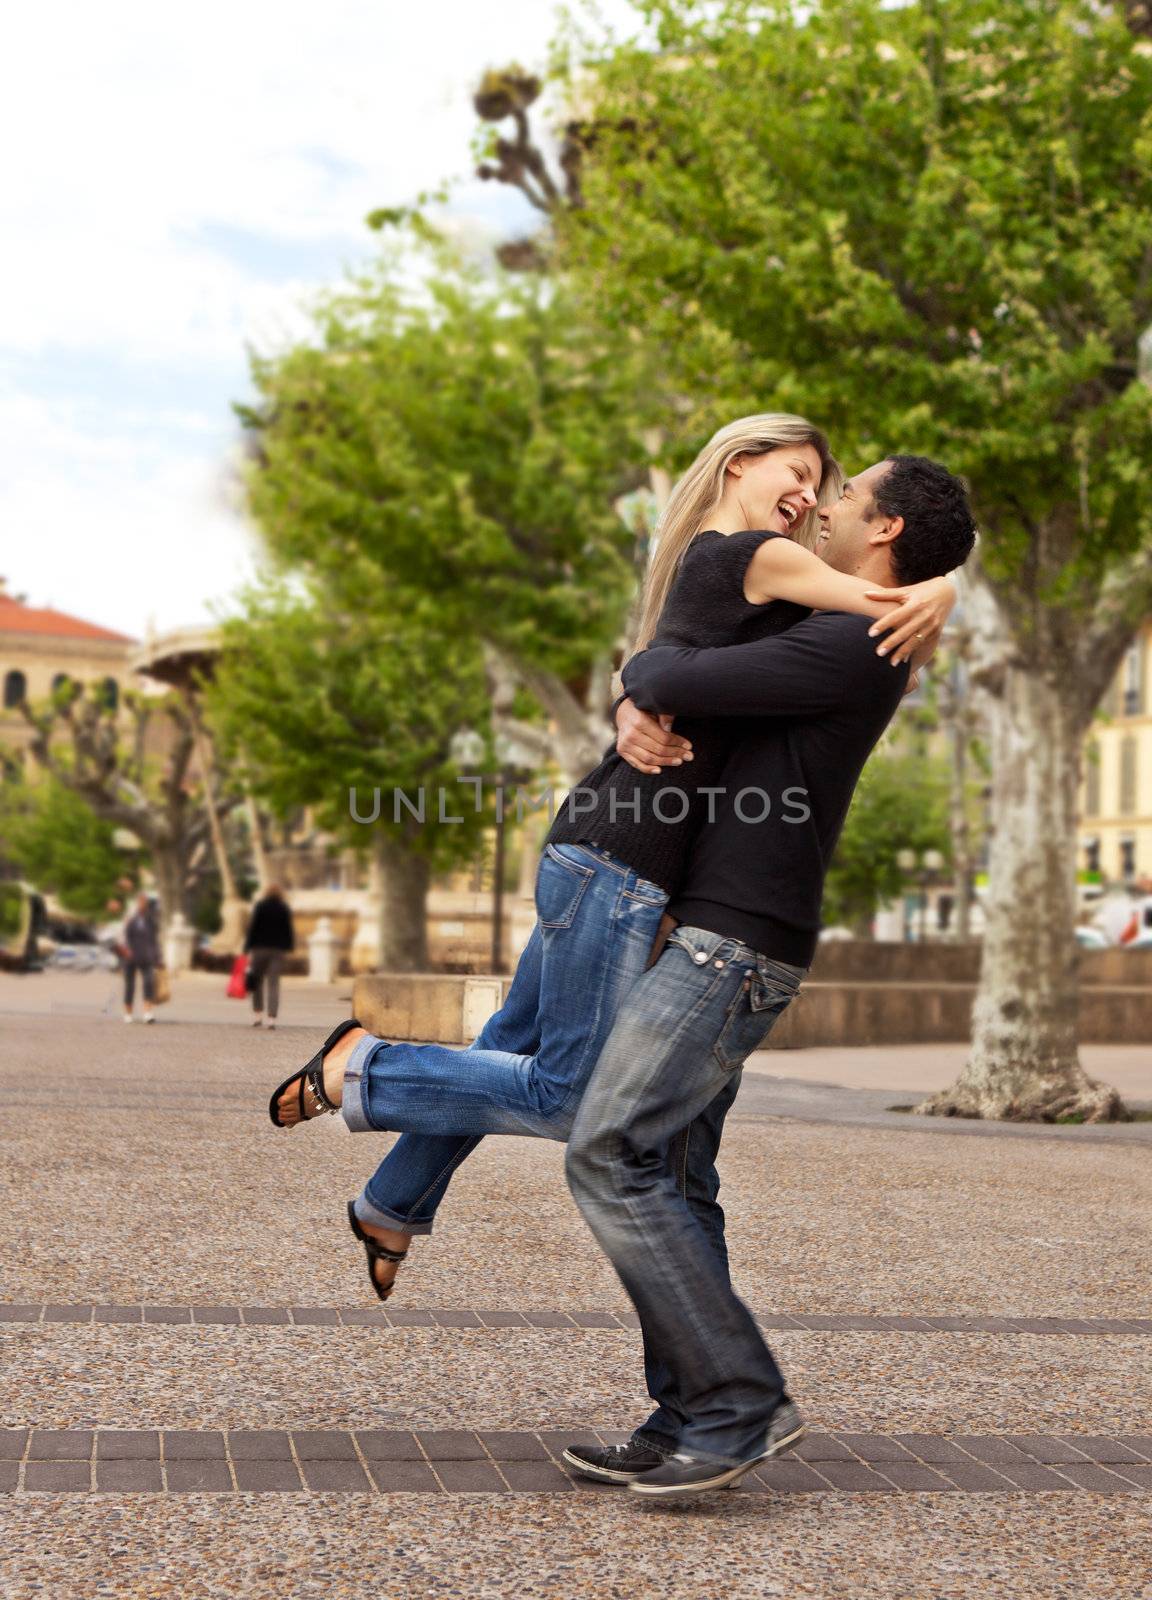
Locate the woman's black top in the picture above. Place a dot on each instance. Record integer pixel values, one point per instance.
(650, 820)
(271, 926)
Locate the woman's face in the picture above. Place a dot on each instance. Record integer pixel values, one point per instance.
(776, 488)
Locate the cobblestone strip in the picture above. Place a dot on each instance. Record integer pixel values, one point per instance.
(456, 1461)
(370, 1317)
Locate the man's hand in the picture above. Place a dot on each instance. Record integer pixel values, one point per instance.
(916, 622)
(646, 743)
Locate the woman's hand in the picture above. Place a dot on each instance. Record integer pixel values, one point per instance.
(646, 742)
(916, 621)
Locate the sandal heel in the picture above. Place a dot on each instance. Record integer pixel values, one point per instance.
(375, 1252)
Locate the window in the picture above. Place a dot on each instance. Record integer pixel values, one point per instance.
(1128, 776)
(109, 693)
(1128, 858)
(1132, 681)
(1092, 855)
(15, 690)
(1092, 781)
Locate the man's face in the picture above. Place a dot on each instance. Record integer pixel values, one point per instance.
(849, 525)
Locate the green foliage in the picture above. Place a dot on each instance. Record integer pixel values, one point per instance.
(924, 225)
(11, 908)
(901, 803)
(57, 843)
(314, 699)
(463, 437)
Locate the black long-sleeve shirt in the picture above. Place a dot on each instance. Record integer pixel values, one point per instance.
(822, 697)
(270, 926)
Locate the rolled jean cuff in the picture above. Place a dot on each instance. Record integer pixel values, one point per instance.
(371, 1214)
(352, 1107)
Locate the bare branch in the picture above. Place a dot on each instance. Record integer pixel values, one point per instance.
(520, 162)
(579, 738)
(991, 646)
(1125, 599)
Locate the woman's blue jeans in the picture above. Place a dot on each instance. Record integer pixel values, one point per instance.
(525, 1073)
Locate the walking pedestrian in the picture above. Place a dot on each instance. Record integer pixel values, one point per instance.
(270, 938)
(140, 953)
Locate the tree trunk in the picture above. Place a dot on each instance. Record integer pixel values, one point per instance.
(256, 830)
(203, 758)
(1024, 1064)
(956, 712)
(962, 872)
(170, 871)
(402, 879)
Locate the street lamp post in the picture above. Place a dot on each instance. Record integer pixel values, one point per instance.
(924, 870)
(468, 750)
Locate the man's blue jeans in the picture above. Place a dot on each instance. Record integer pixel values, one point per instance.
(525, 1073)
(692, 1160)
(690, 1022)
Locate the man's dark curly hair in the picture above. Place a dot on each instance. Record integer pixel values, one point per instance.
(939, 530)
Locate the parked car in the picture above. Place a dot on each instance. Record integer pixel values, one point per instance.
(82, 958)
(1091, 939)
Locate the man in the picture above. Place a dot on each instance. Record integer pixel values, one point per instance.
(640, 1158)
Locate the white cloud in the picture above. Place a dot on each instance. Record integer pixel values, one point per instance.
(184, 179)
(123, 527)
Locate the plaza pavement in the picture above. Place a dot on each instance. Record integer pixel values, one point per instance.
(202, 1397)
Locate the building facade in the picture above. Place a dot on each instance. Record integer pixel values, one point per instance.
(40, 649)
(1116, 787)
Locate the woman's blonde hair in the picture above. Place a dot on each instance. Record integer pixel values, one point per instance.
(698, 493)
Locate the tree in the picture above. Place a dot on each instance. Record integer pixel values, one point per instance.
(103, 758)
(464, 439)
(57, 842)
(901, 803)
(11, 911)
(926, 226)
(321, 701)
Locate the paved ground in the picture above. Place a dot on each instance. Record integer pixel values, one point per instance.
(201, 1396)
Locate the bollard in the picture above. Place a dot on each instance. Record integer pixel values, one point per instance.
(323, 953)
(179, 944)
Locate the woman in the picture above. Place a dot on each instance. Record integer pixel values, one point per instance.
(269, 939)
(140, 953)
(731, 566)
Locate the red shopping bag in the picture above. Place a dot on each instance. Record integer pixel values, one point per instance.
(236, 986)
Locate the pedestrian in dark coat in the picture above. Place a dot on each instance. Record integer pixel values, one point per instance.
(140, 953)
(269, 939)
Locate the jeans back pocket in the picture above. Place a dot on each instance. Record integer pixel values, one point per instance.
(646, 893)
(749, 1019)
(560, 887)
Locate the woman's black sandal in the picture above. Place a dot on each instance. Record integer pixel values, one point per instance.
(311, 1078)
(376, 1252)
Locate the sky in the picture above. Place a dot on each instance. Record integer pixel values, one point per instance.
(177, 184)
